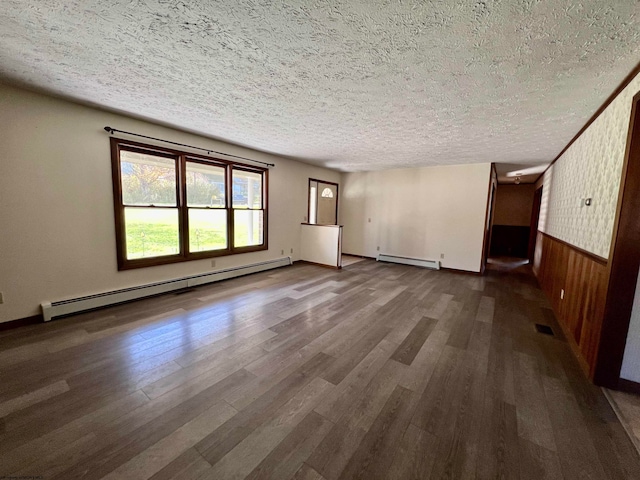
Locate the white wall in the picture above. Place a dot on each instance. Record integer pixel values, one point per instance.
(57, 236)
(417, 212)
(321, 244)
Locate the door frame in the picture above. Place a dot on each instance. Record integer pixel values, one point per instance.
(309, 198)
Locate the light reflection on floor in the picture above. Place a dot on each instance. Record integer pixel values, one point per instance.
(506, 263)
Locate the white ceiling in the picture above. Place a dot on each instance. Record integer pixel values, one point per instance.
(354, 85)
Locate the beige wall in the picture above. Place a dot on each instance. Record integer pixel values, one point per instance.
(513, 205)
(417, 212)
(57, 238)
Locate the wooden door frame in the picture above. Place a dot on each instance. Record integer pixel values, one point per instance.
(535, 220)
(624, 261)
(309, 198)
(488, 218)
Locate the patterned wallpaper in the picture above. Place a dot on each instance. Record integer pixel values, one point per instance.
(590, 168)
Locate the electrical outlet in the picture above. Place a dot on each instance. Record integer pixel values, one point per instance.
(1, 297)
(442, 255)
(378, 248)
(282, 252)
(292, 250)
(369, 220)
(562, 294)
(213, 263)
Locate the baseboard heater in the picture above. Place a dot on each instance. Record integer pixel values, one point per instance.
(417, 262)
(66, 307)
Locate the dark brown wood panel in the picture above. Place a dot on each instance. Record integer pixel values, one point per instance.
(584, 279)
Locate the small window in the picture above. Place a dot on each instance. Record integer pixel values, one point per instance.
(171, 206)
(327, 193)
(323, 202)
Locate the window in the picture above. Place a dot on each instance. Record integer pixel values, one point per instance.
(327, 193)
(323, 202)
(173, 206)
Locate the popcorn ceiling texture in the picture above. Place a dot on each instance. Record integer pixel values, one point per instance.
(354, 85)
(590, 168)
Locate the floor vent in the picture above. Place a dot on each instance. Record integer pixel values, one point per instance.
(417, 262)
(546, 329)
(181, 285)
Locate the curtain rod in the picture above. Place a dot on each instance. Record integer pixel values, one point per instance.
(208, 150)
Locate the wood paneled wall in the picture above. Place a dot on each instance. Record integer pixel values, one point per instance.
(584, 278)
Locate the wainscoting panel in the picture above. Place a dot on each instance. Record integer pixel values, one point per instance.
(583, 277)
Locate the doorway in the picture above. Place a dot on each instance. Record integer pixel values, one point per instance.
(535, 218)
(512, 227)
(323, 202)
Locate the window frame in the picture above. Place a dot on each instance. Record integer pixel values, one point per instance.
(250, 169)
(181, 158)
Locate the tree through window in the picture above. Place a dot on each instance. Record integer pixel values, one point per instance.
(172, 206)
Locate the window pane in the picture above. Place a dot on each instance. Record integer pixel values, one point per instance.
(205, 185)
(207, 230)
(313, 207)
(247, 227)
(147, 179)
(151, 232)
(247, 189)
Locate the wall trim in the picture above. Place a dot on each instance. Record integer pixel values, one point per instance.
(333, 267)
(457, 271)
(592, 256)
(361, 256)
(488, 218)
(21, 322)
(627, 80)
(628, 386)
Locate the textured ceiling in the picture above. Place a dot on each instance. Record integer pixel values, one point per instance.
(354, 85)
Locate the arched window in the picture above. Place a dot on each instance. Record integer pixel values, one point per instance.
(327, 193)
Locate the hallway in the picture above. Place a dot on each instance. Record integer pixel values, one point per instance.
(372, 371)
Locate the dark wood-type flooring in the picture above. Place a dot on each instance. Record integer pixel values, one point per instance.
(374, 371)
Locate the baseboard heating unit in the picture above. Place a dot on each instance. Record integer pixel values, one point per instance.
(66, 307)
(416, 262)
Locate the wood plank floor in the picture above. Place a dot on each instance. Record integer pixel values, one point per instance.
(374, 371)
